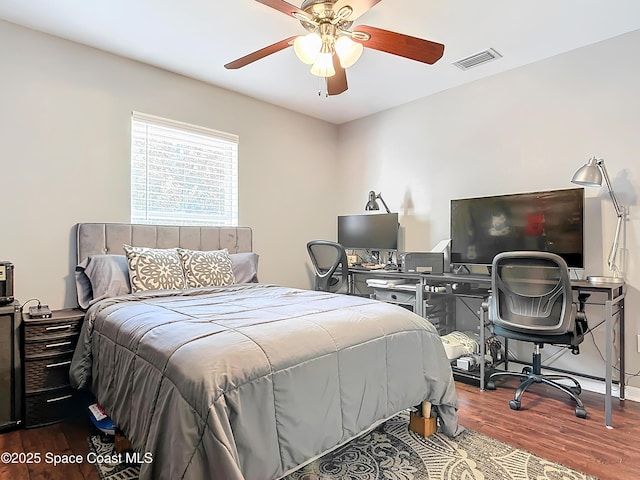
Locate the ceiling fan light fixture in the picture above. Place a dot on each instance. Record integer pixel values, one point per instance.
(323, 67)
(322, 47)
(307, 47)
(348, 51)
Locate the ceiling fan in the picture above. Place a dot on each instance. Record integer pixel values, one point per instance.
(331, 47)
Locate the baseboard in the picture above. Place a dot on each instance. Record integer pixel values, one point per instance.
(630, 393)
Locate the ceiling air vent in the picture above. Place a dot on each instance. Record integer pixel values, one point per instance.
(477, 59)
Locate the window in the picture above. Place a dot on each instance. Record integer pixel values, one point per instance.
(182, 174)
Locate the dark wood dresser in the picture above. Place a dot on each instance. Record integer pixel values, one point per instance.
(48, 345)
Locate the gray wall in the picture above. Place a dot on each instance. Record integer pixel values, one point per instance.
(528, 129)
(64, 130)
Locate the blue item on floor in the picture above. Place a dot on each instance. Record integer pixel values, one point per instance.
(105, 425)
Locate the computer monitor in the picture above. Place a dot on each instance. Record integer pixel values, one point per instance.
(373, 231)
(549, 221)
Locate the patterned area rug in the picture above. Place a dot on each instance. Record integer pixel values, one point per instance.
(392, 452)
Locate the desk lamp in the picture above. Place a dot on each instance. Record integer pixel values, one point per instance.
(590, 175)
(372, 204)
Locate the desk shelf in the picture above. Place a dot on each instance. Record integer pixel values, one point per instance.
(478, 287)
(471, 377)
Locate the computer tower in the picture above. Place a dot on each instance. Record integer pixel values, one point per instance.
(10, 367)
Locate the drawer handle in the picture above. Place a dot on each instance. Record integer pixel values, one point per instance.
(394, 296)
(58, 327)
(58, 399)
(61, 364)
(54, 345)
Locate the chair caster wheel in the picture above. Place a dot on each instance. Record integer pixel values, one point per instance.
(581, 412)
(489, 386)
(576, 390)
(515, 405)
(527, 370)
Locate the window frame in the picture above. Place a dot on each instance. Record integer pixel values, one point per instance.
(218, 155)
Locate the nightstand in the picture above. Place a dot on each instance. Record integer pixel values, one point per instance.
(48, 345)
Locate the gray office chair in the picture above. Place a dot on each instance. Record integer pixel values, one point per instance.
(326, 257)
(532, 301)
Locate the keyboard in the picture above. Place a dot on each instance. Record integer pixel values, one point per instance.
(368, 266)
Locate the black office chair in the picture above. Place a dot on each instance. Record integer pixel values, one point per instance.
(532, 301)
(326, 257)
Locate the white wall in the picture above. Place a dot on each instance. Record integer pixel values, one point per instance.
(64, 130)
(525, 130)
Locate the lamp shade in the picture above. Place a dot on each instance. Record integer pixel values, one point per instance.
(372, 204)
(589, 175)
(348, 51)
(307, 47)
(323, 67)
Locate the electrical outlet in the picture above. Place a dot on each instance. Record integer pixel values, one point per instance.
(638, 343)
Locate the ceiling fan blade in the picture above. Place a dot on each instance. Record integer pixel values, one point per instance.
(258, 54)
(283, 7)
(406, 46)
(359, 7)
(337, 84)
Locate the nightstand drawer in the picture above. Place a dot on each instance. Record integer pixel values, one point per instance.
(51, 326)
(47, 372)
(49, 406)
(37, 346)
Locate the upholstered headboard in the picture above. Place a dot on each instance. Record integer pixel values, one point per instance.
(108, 238)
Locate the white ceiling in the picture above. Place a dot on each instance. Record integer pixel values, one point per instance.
(197, 37)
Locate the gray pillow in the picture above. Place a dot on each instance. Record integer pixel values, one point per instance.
(105, 276)
(245, 267)
(206, 269)
(101, 276)
(154, 268)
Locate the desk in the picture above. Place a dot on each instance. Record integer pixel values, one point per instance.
(470, 285)
(479, 286)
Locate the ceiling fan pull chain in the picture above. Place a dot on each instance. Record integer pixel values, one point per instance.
(322, 85)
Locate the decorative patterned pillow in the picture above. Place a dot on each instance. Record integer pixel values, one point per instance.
(206, 269)
(154, 269)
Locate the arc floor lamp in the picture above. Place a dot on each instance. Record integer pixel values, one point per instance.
(591, 175)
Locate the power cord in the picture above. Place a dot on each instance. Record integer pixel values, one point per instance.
(30, 300)
(39, 311)
(494, 347)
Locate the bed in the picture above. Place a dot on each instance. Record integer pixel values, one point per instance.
(245, 380)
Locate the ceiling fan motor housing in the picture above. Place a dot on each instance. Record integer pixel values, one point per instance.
(321, 11)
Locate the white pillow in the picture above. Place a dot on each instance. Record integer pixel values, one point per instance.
(206, 269)
(154, 269)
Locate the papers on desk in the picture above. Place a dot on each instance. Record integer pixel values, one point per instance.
(386, 282)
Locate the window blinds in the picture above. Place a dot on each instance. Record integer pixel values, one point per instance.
(182, 174)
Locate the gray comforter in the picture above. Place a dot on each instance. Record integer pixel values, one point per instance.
(250, 381)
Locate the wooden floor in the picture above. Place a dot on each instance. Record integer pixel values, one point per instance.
(546, 426)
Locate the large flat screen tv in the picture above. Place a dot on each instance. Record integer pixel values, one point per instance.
(378, 231)
(549, 221)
